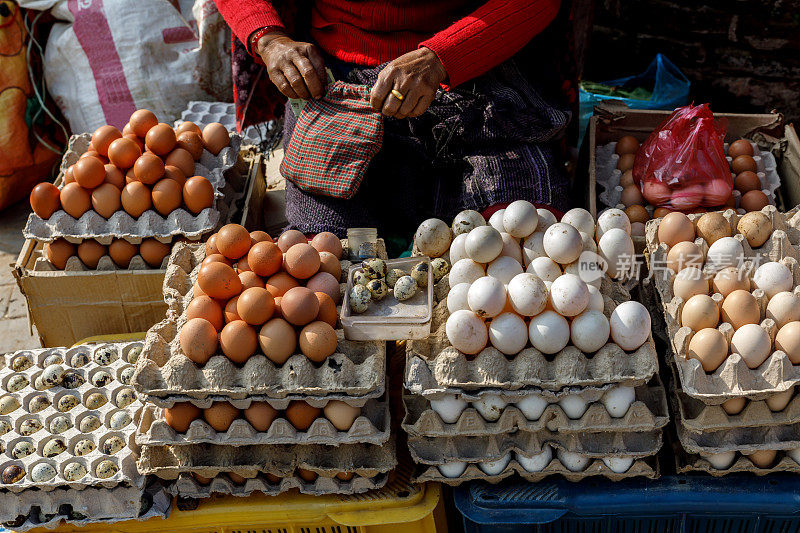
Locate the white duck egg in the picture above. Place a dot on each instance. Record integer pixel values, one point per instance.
(452, 469)
(574, 405)
(615, 247)
(546, 219)
(487, 297)
(457, 298)
(720, 461)
(574, 462)
(596, 302)
(490, 406)
(466, 221)
(493, 468)
(617, 400)
(532, 406)
(773, 278)
(724, 252)
(508, 333)
(432, 237)
(465, 271)
(549, 332)
(630, 325)
(618, 464)
(536, 462)
(458, 250)
(527, 294)
(569, 295)
(533, 247)
(589, 331)
(504, 268)
(496, 220)
(484, 244)
(562, 243)
(580, 219)
(520, 219)
(511, 248)
(610, 219)
(589, 244)
(783, 308)
(794, 454)
(587, 269)
(466, 332)
(449, 407)
(545, 269)
(752, 342)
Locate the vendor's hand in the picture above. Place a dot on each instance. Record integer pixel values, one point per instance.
(416, 75)
(296, 68)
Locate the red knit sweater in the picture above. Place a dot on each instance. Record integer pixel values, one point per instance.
(371, 32)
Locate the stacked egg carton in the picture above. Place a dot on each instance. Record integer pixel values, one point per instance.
(741, 416)
(318, 460)
(68, 421)
(203, 113)
(491, 415)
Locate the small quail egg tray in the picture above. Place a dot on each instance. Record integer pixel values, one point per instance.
(221, 171)
(371, 427)
(733, 379)
(695, 463)
(356, 369)
(697, 417)
(16, 421)
(647, 412)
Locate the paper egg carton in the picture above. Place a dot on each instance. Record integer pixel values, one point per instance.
(745, 440)
(74, 264)
(733, 378)
(696, 416)
(125, 459)
(371, 427)
(221, 171)
(204, 113)
(696, 463)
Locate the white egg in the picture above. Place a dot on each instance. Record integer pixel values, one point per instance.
(466, 332)
(452, 469)
(493, 468)
(562, 243)
(466, 221)
(490, 406)
(496, 220)
(520, 219)
(589, 244)
(615, 247)
(457, 298)
(508, 333)
(589, 331)
(549, 332)
(536, 462)
(612, 218)
(532, 406)
(617, 400)
(574, 462)
(504, 268)
(773, 278)
(580, 219)
(449, 407)
(573, 405)
(464, 271)
(783, 308)
(527, 294)
(483, 244)
(630, 325)
(533, 247)
(432, 237)
(720, 461)
(545, 269)
(457, 249)
(618, 464)
(596, 302)
(637, 229)
(569, 295)
(724, 252)
(752, 342)
(546, 219)
(794, 454)
(511, 248)
(487, 297)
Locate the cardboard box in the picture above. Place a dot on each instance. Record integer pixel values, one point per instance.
(265, 204)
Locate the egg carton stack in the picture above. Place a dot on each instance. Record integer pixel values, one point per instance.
(203, 113)
(339, 441)
(734, 386)
(67, 419)
(514, 409)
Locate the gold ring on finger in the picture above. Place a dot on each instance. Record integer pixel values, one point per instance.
(397, 94)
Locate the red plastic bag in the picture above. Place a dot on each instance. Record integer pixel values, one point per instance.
(682, 164)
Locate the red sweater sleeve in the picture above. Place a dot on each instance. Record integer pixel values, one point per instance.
(246, 16)
(489, 35)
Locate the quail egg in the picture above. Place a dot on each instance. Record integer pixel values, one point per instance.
(420, 274)
(72, 380)
(126, 375)
(133, 354)
(95, 401)
(79, 359)
(106, 469)
(378, 289)
(101, 378)
(405, 288)
(74, 471)
(113, 444)
(105, 356)
(53, 448)
(12, 474)
(38, 384)
(42, 472)
(16, 383)
(60, 424)
(40, 402)
(2, 447)
(21, 363)
(29, 426)
(440, 269)
(52, 375)
(67, 403)
(5, 427)
(119, 420)
(84, 447)
(393, 275)
(125, 397)
(22, 449)
(8, 404)
(360, 278)
(89, 424)
(360, 297)
(52, 359)
(374, 268)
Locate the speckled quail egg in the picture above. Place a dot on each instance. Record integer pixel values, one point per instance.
(89, 424)
(378, 289)
(360, 278)
(12, 474)
(40, 402)
(374, 268)
(440, 269)
(60, 424)
(360, 297)
(2, 447)
(52, 375)
(84, 447)
(113, 444)
(105, 355)
(119, 420)
(420, 274)
(74, 471)
(106, 469)
(133, 354)
(72, 380)
(126, 375)
(393, 275)
(67, 403)
(405, 288)
(95, 401)
(29, 426)
(53, 359)
(21, 363)
(42, 472)
(101, 378)
(125, 397)
(8, 404)
(79, 359)
(38, 384)
(22, 449)
(17, 382)
(53, 448)
(5, 427)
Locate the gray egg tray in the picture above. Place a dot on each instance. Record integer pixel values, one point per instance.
(125, 459)
(743, 440)
(696, 463)
(221, 171)
(204, 113)
(74, 264)
(698, 417)
(371, 427)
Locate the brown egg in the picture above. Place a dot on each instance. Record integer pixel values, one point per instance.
(661, 212)
(747, 181)
(219, 280)
(709, 347)
(216, 258)
(713, 226)
(778, 401)
(126, 129)
(625, 162)
(103, 137)
(136, 199)
(106, 200)
(181, 415)
(744, 163)
(130, 176)
(175, 174)
(739, 308)
(166, 196)
(75, 200)
(211, 245)
(237, 479)
(277, 300)
(734, 406)
(68, 176)
(153, 252)
(207, 308)
(763, 458)
(255, 306)
(89, 172)
(250, 279)
(627, 145)
(191, 142)
(299, 306)
(278, 340)
(114, 176)
(631, 195)
(141, 121)
(730, 203)
(317, 341)
(220, 415)
(121, 252)
(160, 139)
(674, 228)
(45, 200)
(198, 194)
(139, 142)
(301, 261)
(301, 414)
(684, 254)
(341, 414)
(756, 228)
(188, 125)
(215, 137)
(197, 291)
(90, 251)
(238, 341)
(740, 147)
(327, 309)
(328, 263)
(637, 213)
(260, 415)
(233, 241)
(327, 242)
(182, 159)
(58, 251)
(230, 312)
(279, 283)
(290, 238)
(345, 476)
(264, 258)
(627, 178)
(259, 236)
(94, 154)
(751, 201)
(324, 282)
(202, 480)
(307, 475)
(242, 265)
(198, 340)
(123, 153)
(729, 279)
(149, 168)
(700, 312)
(788, 341)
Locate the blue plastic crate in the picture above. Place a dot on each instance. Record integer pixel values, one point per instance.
(692, 504)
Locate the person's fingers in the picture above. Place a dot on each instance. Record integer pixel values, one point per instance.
(380, 91)
(392, 102)
(296, 81)
(319, 65)
(422, 105)
(409, 102)
(309, 74)
(283, 85)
